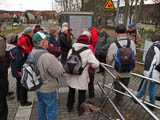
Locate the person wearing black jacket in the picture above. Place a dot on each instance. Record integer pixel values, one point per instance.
(3, 82)
(65, 43)
(17, 60)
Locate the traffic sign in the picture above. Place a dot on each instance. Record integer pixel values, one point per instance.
(109, 5)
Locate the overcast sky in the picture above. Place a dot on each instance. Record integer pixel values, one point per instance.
(29, 4)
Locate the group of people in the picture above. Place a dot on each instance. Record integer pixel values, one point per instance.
(37, 40)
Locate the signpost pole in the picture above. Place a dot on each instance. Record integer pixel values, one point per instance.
(117, 14)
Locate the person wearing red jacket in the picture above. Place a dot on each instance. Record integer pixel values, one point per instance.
(94, 37)
(25, 41)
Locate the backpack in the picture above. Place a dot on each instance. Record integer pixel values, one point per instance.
(73, 63)
(125, 60)
(149, 58)
(30, 74)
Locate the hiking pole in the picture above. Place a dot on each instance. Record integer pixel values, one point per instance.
(93, 108)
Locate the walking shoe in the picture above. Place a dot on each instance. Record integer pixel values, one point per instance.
(81, 110)
(150, 107)
(69, 108)
(26, 104)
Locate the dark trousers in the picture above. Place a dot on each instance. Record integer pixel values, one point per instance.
(64, 56)
(21, 91)
(7, 80)
(71, 97)
(101, 58)
(118, 87)
(91, 86)
(3, 104)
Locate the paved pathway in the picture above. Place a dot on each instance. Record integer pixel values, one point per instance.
(130, 110)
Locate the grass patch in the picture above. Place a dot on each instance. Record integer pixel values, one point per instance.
(14, 30)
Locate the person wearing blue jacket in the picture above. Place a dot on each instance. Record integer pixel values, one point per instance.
(17, 60)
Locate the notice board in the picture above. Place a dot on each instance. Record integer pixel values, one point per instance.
(78, 23)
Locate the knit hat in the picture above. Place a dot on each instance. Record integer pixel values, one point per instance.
(38, 37)
(12, 38)
(132, 26)
(156, 37)
(84, 39)
(87, 33)
(64, 29)
(37, 26)
(65, 24)
(52, 31)
(120, 29)
(28, 29)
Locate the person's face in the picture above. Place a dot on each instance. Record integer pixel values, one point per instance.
(66, 31)
(70, 31)
(54, 34)
(30, 34)
(45, 44)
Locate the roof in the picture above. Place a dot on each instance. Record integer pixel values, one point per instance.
(76, 13)
(5, 15)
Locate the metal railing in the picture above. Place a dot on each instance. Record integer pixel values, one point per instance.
(130, 94)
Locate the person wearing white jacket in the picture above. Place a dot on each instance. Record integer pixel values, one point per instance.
(152, 68)
(80, 82)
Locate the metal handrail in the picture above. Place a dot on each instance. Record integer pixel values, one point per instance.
(127, 95)
(130, 93)
(111, 102)
(134, 74)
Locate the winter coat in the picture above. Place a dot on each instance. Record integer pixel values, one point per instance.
(3, 74)
(50, 69)
(65, 43)
(25, 43)
(102, 44)
(16, 59)
(152, 59)
(2, 46)
(81, 81)
(53, 40)
(3, 65)
(94, 37)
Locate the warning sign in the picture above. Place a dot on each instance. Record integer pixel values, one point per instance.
(109, 5)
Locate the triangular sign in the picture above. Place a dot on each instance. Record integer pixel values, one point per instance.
(109, 5)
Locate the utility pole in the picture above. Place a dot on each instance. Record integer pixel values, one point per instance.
(52, 10)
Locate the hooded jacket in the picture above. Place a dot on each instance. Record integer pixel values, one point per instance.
(102, 44)
(16, 59)
(15, 56)
(94, 36)
(3, 65)
(81, 81)
(65, 43)
(151, 61)
(25, 43)
(50, 69)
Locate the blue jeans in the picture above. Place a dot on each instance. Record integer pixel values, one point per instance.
(47, 106)
(152, 91)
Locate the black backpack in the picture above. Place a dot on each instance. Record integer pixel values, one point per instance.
(149, 58)
(125, 60)
(73, 64)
